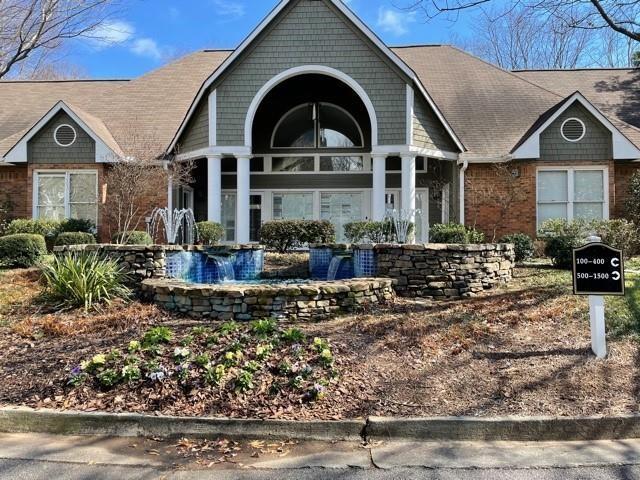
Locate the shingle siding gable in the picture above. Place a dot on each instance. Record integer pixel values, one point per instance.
(428, 132)
(43, 149)
(596, 144)
(197, 132)
(312, 32)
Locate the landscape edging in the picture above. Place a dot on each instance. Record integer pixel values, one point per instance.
(27, 420)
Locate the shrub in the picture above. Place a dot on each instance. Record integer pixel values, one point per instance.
(455, 233)
(75, 238)
(523, 245)
(369, 231)
(84, 280)
(318, 231)
(632, 205)
(133, 237)
(210, 233)
(22, 249)
(46, 228)
(561, 237)
(77, 225)
(619, 233)
(283, 235)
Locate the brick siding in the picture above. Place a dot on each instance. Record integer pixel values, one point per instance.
(483, 184)
(13, 184)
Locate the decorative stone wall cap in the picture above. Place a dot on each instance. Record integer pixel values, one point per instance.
(333, 246)
(363, 246)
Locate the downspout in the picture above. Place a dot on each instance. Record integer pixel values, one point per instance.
(464, 164)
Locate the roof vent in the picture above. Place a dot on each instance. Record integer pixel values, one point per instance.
(573, 130)
(65, 135)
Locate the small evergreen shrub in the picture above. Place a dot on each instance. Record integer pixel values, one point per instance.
(22, 249)
(318, 231)
(77, 225)
(284, 235)
(632, 206)
(369, 231)
(455, 233)
(524, 247)
(134, 237)
(561, 237)
(75, 238)
(46, 228)
(210, 233)
(619, 233)
(84, 280)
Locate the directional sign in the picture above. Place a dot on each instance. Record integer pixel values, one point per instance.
(598, 269)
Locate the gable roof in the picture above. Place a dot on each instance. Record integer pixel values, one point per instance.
(529, 146)
(106, 147)
(153, 104)
(615, 91)
(359, 24)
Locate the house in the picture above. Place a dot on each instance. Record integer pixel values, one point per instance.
(313, 116)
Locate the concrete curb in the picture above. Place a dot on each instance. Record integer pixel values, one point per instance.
(504, 428)
(26, 420)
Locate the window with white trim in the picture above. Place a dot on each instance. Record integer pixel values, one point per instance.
(60, 195)
(572, 193)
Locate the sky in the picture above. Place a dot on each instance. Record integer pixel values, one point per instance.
(145, 34)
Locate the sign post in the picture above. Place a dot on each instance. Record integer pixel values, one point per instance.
(598, 270)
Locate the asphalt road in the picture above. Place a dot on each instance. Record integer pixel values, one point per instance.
(36, 470)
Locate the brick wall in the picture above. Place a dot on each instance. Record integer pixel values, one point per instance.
(623, 174)
(13, 185)
(485, 189)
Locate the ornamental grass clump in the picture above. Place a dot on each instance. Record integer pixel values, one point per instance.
(84, 280)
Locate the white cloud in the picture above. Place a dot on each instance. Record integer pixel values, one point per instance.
(147, 47)
(394, 22)
(229, 8)
(111, 32)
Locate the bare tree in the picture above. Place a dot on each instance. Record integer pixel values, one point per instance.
(622, 17)
(32, 29)
(137, 180)
(517, 39)
(54, 71)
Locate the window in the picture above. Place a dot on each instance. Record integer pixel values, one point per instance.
(340, 209)
(60, 195)
(293, 206)
(317, 125)
(292, 164)
(341, 164)
(228, 216)
(572, 193)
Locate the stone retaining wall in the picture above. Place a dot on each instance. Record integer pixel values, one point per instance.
(313, 301)
(445, 271)
(141, 262)
(138, 261)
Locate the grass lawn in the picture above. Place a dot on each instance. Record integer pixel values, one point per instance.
(520, 350)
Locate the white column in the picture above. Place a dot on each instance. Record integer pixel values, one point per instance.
(242, 200)
(170, 193)
(409, 183)
(379, 187)
(214, 188)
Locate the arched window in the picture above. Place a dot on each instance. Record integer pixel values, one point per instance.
(317, 125)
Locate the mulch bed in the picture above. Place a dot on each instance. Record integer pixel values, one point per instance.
(522, 350)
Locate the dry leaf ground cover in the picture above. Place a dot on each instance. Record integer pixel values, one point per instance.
(520, 350)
